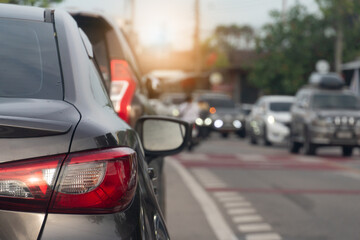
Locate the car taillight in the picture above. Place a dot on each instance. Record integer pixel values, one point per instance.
(96, 182)
(99, 181)
(122, 87)
(27, 185)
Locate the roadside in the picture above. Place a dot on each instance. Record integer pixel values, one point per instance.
(184, 216)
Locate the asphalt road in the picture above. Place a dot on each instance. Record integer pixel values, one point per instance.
(229, 189)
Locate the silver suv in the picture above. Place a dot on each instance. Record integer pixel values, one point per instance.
(325, 113)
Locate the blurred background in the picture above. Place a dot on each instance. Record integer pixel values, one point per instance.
(250, 74)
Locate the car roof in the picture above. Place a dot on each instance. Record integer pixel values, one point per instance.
(22, 12)
(94, 14)
(312, 90)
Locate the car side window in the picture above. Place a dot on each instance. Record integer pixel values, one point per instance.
(304, 101)
(97, 87)
(298, 99)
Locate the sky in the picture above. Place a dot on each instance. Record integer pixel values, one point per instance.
(171, 22)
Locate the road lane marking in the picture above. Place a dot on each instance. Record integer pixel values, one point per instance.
(353, 175)
(292, 191)
(241, 211)
(308, 159)
(263, 236)
(211, 211)
(251, 157)
(237, 204)
(231, 199)
(193, 157)
(221, 194)
(254, 227)
(208, 179)
(247, 219)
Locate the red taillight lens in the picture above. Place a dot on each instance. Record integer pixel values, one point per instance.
(27, 185)
(122, 87)
(89, 182)
(96, 182)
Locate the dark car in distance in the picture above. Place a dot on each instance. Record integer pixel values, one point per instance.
(325, 113)
(220, 114)
(70, 168)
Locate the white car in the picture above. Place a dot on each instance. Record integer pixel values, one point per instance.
(270, 119)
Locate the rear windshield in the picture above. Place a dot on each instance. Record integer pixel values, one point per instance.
(29, 65)
(280, 106)
(220, 103)
(335, 101)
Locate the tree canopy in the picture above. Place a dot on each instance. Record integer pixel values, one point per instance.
(39, 3)
(291, 46)
(226, 39)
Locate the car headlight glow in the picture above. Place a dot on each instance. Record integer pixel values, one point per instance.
(337, 120)
(271, 119)
(351, 120)
(237, 124)
(208, 121)
(218, 123)
(199, 122)
(175, 112)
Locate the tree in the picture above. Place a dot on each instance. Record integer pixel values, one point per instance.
(225, 40)
(343, 17)
(39, 3)
(290, 50)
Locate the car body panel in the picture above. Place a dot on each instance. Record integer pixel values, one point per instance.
(20, 225)
(93, 124)
(37, 110)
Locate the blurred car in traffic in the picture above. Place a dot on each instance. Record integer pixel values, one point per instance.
(70, 168)
(127, 87)
(270, 119)
(172, 101)
(219, 114)
(245, 110)
(325, 113)
(118, 64)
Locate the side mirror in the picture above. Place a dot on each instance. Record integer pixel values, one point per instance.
(163, 136)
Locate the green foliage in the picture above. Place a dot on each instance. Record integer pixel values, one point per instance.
(39, 3)
(291, 47)
(290, 50)
(225, 39)
(344, 15)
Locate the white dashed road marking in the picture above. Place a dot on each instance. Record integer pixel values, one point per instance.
(254, 227)
(237, 204)
(231, 199)
(240, 211)
(247, 219)
(211, 211)
(263, 236)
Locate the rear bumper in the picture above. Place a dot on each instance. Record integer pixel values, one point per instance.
(277, 132)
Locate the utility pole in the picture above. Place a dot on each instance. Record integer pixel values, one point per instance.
(197, 50)
(131, 26)
(132, 16)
